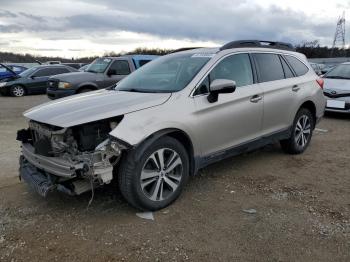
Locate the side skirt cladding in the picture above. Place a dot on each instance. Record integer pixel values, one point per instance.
(201, 162)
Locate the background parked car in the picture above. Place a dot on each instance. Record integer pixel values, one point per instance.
(32, 81)
(74, 65)
(102, 73)
(10, 70)
(83, 68)
(317, 68)
(52, 63)
(327, 68)
(337, 88)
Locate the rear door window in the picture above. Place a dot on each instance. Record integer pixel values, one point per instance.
(51, 71)
(61, 70)
(299, 67)
(270, 67)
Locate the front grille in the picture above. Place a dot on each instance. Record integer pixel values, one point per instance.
(330, 95)
(42, 137)
(43, 146)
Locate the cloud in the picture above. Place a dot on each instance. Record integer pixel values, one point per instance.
(10, 28)
(104, 22)
(7, 14)
(221, 24)
(33, 17)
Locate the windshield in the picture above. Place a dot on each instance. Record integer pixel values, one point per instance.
(340, 72)
(28, 72)
(99, 65)
(166, 74)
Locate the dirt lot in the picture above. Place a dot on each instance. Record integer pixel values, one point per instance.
(302, 208)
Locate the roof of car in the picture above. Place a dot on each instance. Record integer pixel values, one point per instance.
(136, 57)
(56, 65)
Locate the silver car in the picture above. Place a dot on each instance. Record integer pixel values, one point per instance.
(337, 89)
(170, 118)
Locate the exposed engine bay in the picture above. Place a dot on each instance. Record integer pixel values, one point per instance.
(72, 160)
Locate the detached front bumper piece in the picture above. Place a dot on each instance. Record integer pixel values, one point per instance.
(37, 180)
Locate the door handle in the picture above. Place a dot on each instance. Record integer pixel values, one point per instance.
(255, 98)
(295, 88)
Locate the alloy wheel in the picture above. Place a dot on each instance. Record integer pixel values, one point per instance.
(18, 91)
(161, 174)
(302, 131)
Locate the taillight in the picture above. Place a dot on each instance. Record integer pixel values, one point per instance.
(320, 82)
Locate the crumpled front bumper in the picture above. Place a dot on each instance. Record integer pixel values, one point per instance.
(53, 165)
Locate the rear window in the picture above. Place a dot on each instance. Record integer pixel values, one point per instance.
(270, 67)
(298, 67)
(143, 62)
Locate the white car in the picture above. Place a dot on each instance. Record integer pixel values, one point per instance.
(170, 118)
(337, 88)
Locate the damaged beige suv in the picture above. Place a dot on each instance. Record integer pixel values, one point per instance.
(171, 118)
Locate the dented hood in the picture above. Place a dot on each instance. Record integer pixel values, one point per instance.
(93, 106)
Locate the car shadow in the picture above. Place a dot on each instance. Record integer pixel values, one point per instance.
(334, 115)
(108, 198)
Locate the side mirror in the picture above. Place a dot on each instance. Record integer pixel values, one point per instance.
(111, 72)
(33, 77)
(220, 86)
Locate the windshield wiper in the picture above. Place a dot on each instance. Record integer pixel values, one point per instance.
(91, 71)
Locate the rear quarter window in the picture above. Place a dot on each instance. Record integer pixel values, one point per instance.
(287, 71)
(299, 67)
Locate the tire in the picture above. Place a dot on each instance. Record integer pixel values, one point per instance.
(302, 129)
(17, 91)
(143, 184)
(84, 90)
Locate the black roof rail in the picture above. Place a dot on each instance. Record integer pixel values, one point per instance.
(258, 43)
(184, 49)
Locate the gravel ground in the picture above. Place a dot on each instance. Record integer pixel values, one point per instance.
(261, 206)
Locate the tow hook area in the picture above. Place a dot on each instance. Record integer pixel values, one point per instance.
(43, 183)
(37, 180)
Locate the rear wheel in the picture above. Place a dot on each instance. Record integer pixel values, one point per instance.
(302, 129)
(152, 177)
(17, 91)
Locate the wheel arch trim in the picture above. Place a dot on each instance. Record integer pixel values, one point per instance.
(179, 135)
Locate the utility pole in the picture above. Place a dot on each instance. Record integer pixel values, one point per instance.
(339, 36)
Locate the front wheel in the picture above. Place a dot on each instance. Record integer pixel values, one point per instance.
(152, 177)
(302, 129)
(17, 91)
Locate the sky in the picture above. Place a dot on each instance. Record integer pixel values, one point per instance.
(77, 28)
